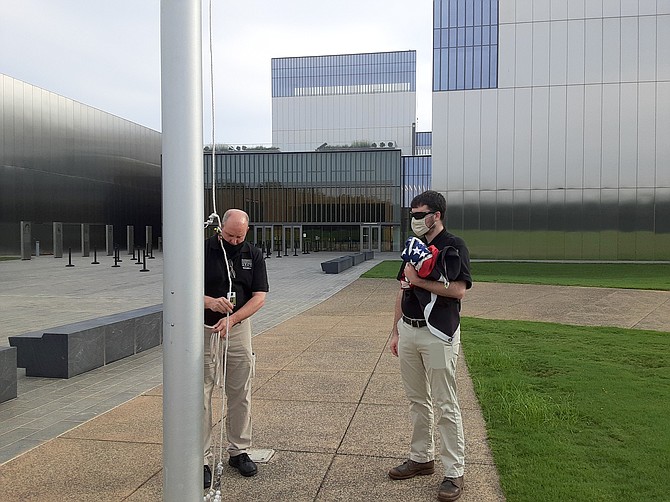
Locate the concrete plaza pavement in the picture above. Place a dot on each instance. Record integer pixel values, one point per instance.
(327, 393)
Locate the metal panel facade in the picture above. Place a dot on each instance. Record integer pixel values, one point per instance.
(346, 99)
(64, 161)
(574, 161)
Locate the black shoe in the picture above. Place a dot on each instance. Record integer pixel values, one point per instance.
(244, 464)
(450, 489)
(208, 477)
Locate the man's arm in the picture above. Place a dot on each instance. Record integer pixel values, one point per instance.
(455, 290)
(394, 331)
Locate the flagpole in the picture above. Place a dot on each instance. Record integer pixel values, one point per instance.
(183, 209)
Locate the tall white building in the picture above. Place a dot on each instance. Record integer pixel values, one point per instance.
(344, 99)
(551, 126)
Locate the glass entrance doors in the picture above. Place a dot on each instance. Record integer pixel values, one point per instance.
(262, 237)
(292, 239)
(371, 237)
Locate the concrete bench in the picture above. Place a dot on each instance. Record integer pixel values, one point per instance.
(7, 373)
(337, 265)
(70, 350)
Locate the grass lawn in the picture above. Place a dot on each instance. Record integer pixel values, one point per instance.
(7, 258)
(573, 413)
(604, 275)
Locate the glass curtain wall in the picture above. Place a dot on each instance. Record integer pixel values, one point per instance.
(329, 194)
(417, 177)
(423, 143)
(344, 74)
(465, 44)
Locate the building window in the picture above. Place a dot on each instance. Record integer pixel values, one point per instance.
(465, 44)
(423, 143)
(379, 72)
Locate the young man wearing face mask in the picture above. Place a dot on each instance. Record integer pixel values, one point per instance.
(249, 286)
(428, 352)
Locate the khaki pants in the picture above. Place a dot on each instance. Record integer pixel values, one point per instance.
(428, 369)
(238, 390)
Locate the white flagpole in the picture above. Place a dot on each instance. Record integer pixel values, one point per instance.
(183, 209)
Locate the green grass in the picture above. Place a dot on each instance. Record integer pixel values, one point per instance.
(604, 275)
(573, 413)
(7, 258)
(388, 269)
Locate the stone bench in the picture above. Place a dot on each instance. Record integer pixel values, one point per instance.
(70, 350)
(337, 265)
(7, 373)
(358, 258)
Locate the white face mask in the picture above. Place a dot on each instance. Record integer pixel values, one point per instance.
(420, 228)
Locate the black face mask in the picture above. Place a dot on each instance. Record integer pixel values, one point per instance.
(231, 250)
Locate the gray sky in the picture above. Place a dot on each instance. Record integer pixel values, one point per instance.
(107, 54)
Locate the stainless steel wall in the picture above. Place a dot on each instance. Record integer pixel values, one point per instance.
(61, 160)
(570, 157)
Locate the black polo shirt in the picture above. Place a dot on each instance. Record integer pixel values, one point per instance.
(248, 270)
(410, 304)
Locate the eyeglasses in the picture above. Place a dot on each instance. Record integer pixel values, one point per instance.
(420, 215)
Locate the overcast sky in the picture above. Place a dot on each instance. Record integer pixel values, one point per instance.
(106, 54)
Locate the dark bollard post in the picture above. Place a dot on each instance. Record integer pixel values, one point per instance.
(95, 256)
(116, 258)
(286, 250)
(134, 255)
(268, 249)
(139, 258)
(69, 258)
(295, 250)
(144, 262)
(151, 251)
(278, 249)
(117, 251)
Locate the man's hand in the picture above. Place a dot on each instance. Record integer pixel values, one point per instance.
(394, 343)
(222, 304)
(224, 322)
(411, 274)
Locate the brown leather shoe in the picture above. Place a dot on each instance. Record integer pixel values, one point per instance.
(450, 489)
(410, 468)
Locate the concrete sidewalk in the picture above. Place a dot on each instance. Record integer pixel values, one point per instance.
(327, 395)
(43, 293)
(327, 398)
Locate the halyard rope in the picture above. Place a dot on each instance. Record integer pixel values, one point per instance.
(215, 348)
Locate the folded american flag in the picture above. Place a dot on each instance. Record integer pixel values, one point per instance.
(421, 257)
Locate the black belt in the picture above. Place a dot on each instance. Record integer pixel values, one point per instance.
(416, 323)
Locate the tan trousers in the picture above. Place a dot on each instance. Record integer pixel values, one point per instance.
(238, 390)
(428, 369)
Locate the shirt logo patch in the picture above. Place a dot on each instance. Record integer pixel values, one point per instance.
(246, 264)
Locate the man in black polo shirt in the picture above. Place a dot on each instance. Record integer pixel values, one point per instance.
(246, 269)
(428, 351)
